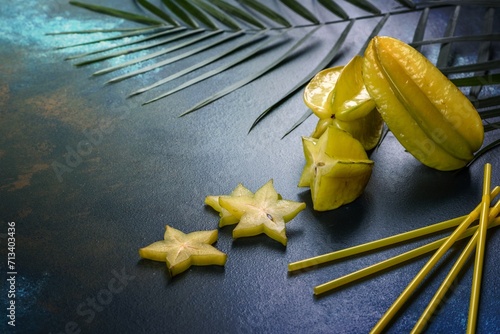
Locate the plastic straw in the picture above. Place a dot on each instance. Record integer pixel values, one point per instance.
(455, 270)
(336, 283)
(479, 260)
(394, 308)
(313, 261)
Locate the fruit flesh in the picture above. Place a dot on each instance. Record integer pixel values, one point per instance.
(180, 250)
(316, 94)
(338, 96)
(350, 99)
(264, 212)
(337, 169)
(226, 218)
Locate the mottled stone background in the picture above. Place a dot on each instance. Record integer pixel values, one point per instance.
(90, 176)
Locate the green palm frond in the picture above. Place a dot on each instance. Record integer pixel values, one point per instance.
(244, 28)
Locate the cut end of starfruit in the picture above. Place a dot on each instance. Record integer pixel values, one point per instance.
(337, 169)
(350, 99)
(316, 94)
(424, 110)
(338, 96)
(341, 184)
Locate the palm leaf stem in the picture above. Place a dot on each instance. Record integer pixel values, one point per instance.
(165, 51)
(407, 3)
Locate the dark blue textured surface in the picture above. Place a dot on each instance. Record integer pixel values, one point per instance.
(76, 235)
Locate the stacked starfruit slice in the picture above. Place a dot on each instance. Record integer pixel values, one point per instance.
(339, 97)
(337, 168)
(395, 84)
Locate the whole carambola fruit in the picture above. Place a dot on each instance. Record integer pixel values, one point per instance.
(424, 110)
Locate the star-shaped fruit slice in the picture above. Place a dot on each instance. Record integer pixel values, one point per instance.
(264, 212)
(317, 92)
(180, 250)
(226, 218)
(337, 169)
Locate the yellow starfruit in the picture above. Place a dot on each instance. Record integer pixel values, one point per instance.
(263, 212)
(317, 92)
(338, 97)
(180, 251)
(424, 110)
(337, 169)
(226, 218)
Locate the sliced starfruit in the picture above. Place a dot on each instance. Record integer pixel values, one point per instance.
(180, 250)
(337, 169)
(367, 130)
(424, 110)
(314, 155)
(226, 218)
(264, 212)
(339, 97)
(316, 94)
(350, 99)
(321, 126)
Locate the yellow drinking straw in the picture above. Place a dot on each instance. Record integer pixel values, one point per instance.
(337, 255)
(388, 241)
(377, 267)
(455, 270)
(394, 308)
(479, 260)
